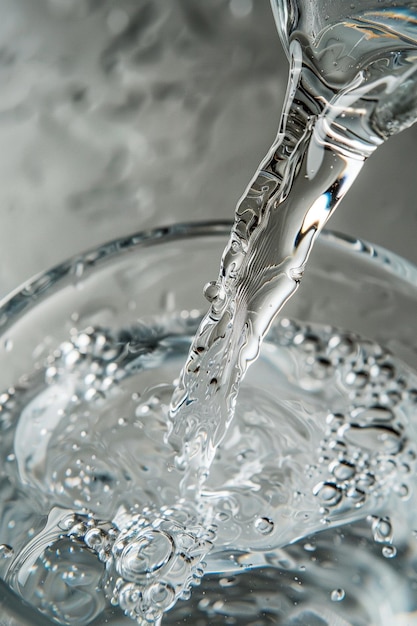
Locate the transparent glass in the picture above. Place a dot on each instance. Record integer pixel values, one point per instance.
(365, 49)
(348, 284)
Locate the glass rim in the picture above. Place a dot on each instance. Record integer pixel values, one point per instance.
(32, 290)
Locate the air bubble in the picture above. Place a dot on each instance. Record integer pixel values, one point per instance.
(67, 523)
(374, 438)
(129, 597)
(162, 596)
(376, 415)
(329, 493)
(343, 470)
(358, 380)
(403, 492)
(321, 368)
(186, 594)
(94, 538)
(82, 342)
(382, 530)
(230, 581)
(264, 525)
(356, 496)
(204, 604)
(145, 555)
(309, 342)
(389, 552)
(165, 548)
(341, 346)
(365, 481)
(337, 595)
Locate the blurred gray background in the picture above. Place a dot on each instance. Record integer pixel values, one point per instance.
(118, 115)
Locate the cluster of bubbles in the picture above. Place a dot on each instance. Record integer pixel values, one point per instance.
(90, 412)
(141, 562)
(7, 407)
(367, 451)
(156, 559)
(93, 354)
(150, 555)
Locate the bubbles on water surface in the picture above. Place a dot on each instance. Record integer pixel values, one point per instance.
(147, 553)
(156, 559)
(382, 529)
(325, 451)
(389, 552)
(264, 525)
(337, 595)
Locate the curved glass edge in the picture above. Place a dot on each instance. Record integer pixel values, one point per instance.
(390, 262)
(32, 291)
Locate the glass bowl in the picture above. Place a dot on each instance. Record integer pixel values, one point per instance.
(297, 533)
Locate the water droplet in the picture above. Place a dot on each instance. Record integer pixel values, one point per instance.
(211, 291)
(264, 525)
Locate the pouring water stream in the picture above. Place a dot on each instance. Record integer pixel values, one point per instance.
(353, 83)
